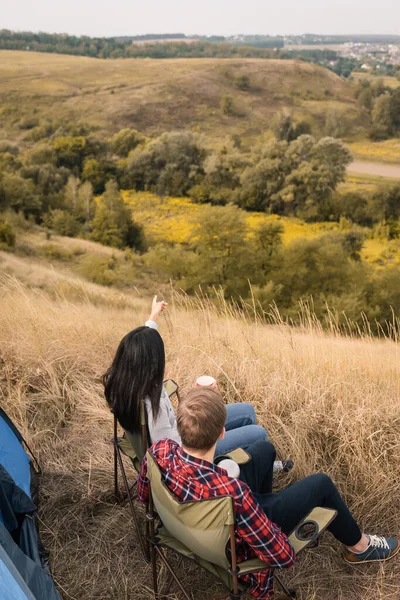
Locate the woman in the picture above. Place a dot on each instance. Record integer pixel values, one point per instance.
(137, 372)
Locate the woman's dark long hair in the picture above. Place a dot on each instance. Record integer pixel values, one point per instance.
(137, 371)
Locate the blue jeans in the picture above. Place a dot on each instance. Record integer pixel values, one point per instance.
(241, 428)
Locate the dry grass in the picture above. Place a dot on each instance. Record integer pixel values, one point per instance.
(159, 95)
(329, 402)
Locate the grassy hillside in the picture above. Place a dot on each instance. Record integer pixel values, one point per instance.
(330, 403)
(158, 95)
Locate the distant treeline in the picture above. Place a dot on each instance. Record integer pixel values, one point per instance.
(310, 38)
(123, 47)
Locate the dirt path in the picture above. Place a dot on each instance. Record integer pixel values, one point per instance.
(374, 169)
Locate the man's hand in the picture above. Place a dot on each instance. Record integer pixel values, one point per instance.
(157, 308)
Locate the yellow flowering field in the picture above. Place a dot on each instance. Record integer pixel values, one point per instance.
(172, 219)
(387, 151)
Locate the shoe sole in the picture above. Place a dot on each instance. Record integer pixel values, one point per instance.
(373, 560)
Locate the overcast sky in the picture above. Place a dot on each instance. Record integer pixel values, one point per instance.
(208, 17)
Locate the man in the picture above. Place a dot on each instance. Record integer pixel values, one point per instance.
(263, 519)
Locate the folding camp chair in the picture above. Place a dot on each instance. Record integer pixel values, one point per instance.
(201, 530)
(134, 447)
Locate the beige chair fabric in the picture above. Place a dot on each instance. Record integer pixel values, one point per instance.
(171, 387)
(200, 530)
(202, 527)
(132, 443)
(319, 518)
(240, 456)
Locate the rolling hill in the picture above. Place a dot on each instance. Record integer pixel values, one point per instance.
(158, 95)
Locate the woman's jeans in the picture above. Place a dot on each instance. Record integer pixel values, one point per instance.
(289, 506)
(241, 428)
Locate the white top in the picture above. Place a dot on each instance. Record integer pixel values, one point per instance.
(165, 424)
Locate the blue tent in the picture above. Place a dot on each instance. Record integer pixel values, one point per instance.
(23, 575)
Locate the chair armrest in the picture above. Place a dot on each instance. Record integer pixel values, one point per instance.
(240, 456)
(318, 520)
(171, 387)
(251, 566)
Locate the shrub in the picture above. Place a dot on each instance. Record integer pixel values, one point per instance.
(107, 270)
(64, 223)
(7, 235)
(53, 252)
(243, 82)
(227, 105)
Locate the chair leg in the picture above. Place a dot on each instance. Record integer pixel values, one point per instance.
(169, 581)
(289, 593)
(171, 572)
(154, 564)
(143, 545)
(116, 489)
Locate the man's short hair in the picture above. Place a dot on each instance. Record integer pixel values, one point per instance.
(201, 418)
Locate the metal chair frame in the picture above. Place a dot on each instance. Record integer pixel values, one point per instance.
(157, 549)
(131, 491)
(234, 570)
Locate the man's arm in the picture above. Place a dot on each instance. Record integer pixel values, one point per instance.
(143, 483)
(267, 540)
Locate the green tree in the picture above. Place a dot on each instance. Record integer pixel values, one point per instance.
(95, 173)
(222, 176)
(71, 151)
(266, 249)
(387, 203)
(19, 194)
(171, 164)
(125, 141)
(112, 224)
(283, 127)
(296, 178)
(318, 268)
(366, 98)
(219, 240)
(261, 184)
(394, 110)
(355, 207)
(382, 124)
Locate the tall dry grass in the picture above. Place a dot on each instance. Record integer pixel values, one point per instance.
(330, 403)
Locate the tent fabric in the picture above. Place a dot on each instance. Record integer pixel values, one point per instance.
(12, 586)
(22, 576)
(13, 456)
(13, 501)
(35, 578)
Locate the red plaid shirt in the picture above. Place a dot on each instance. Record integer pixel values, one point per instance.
(190, 479)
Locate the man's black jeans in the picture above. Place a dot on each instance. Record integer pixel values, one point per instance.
(289, 506)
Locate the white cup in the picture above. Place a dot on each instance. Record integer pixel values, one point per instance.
(230, 466)
(206, 381)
